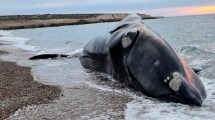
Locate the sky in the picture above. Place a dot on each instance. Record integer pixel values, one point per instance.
(151, 7)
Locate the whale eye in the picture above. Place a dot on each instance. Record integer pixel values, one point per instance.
(156, 63)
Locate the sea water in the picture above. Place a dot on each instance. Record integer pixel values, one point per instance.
(193, 38)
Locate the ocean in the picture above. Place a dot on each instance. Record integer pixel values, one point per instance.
(192, 37)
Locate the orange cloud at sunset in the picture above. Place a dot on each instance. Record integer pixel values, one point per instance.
(196, 10)
(205, 9)
(181, 11)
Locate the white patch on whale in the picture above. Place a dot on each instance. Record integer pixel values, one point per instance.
(126, 41)
(167, 79)
(175, 83)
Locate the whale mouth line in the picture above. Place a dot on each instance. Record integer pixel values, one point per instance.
(172, 98)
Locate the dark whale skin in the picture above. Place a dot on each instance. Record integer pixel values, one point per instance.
(136, 55)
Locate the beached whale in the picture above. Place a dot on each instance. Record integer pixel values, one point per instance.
(140, 58)
(137, 56)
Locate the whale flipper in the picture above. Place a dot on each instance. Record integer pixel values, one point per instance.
(48, 56)
(196, 70)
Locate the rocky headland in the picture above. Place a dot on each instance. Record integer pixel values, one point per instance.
(49, 20)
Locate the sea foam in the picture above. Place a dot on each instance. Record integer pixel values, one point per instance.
(7, 37)
(147, 109)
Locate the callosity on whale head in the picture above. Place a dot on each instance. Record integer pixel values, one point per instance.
(139, 57)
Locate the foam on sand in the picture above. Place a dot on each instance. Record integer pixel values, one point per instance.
(19, 42)
(146, 109)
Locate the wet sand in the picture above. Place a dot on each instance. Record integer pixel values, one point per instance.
(78, 103)
(23, 98)
(18, 89)
(82, 101)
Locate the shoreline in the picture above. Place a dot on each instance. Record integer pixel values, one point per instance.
(28, 99)
(18, 89)
(23, 97)
(53, 20)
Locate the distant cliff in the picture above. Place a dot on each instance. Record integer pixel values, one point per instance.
(48, 20)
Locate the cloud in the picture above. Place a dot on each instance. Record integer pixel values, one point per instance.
(54, 4)
(181, 11)
(87, 3)
(205, 9)
(154, 7)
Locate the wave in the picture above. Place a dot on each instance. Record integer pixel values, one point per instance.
(5, 33)
(74, 53)
(146, 109)
(7, 37)
(143, 107)
(193, 49)
(197, 57)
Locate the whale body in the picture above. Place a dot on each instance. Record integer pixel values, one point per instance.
(137, 56)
